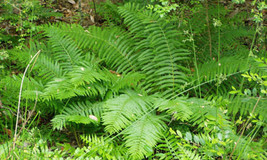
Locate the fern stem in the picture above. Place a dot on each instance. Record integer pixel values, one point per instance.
(208, 25)
(195, 62)
(218, 56)
(76, 137)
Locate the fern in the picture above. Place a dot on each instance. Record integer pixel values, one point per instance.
(173, 149)
(159, 52)
(112, 46)
(141, 128)
(64, 50)
(84, 113)
(103, 147)
(178, 108)
(205, 115)
(151, 49)
(243, 105)
(123, 110)
(143, 135)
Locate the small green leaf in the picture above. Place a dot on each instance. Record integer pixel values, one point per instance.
(196, 139)
(179, 133)
(188, 136)
(219, 136)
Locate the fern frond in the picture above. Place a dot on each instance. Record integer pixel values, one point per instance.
(123, 110)
(224, 75)
(160, 54)
(243, 105)
(132, 17)
(81, 112)
(178, 108)
(173, 149)
(104, 147)
(80, 81)
(205, 114)
(48, 68)
(64, 50)
(143, 134)
(110, 45)
(228, 65)
(129, 80)
(169, 144)
(132, 112)
(30, 88)
(188, 154)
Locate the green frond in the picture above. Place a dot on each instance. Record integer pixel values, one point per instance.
(30, 88)
(103, 147)
(132, 112)
(64, 50)
(243, 105)
(82, 80)
(205, 115)
(188, 154)
(81, 112)
(223, 74)
(160, 54)
(144, 134)
(133, 19)
(173, 149)
(110, 45)
(178, 108)
(129, 80)
(48, 68)
(227, 65)
(121, 111)
(169, 144)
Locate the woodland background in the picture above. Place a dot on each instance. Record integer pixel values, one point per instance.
(133, 79)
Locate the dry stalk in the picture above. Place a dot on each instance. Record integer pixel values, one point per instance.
(20, 92)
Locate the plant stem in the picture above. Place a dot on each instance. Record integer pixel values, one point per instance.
(81, 12)
(95, 11)
(20, 92)
(195, 62)
(208, 25)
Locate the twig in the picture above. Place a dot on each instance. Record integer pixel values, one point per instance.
(20, 92)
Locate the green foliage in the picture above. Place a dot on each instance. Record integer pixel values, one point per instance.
(132, 113)
(160, 51)
(164, 7)
(123, 87)
(174, 149)
(33, 145)
(84, 113)
(99, 146)
(22, 18)
(3, 56)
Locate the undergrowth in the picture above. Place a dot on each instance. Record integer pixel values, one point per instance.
(145, 87)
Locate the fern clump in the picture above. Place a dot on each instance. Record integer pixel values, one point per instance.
(130, 92)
